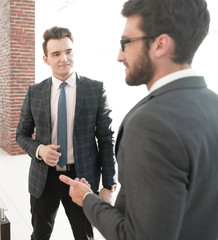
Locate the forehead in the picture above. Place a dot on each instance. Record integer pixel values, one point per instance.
(131, 28)
(58, 45)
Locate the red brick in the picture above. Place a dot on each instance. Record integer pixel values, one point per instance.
(17, 65)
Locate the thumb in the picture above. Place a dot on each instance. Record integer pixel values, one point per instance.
(67, 180)
(55, 147)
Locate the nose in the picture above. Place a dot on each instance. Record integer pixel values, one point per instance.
(64, 57)
(121, 56)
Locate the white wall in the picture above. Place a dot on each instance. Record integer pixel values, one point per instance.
(206, 59)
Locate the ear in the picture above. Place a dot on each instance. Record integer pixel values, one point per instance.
(163, 44)
(45, 59)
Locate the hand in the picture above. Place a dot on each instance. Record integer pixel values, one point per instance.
(106, 195)
(83, 180)
(78, 189)
(49, 154)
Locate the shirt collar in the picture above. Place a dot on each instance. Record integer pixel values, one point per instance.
(71, 81)
(172, 77)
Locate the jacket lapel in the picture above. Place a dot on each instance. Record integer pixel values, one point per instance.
(120, 131)
(188, 82)
(47, 100)
(80, 89)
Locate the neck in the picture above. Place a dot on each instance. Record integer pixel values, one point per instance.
(62, 78)
(162, 72)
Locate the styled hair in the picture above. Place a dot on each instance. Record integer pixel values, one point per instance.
(186, 21)
(55, 33)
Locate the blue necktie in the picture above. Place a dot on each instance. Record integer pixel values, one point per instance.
(62, 126)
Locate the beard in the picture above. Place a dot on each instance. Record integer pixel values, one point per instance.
(142, 71)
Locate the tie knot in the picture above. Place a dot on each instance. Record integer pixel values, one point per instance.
(62, 85)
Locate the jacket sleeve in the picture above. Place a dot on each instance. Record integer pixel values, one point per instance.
(153, 173)
(105, 140)
(25, 128)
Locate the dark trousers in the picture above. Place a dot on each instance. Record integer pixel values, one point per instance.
(44, 209)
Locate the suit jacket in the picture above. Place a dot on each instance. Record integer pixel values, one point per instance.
(92, 121)
(167, 153)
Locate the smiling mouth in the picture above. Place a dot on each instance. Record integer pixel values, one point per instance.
(126, 66)
(64, 65)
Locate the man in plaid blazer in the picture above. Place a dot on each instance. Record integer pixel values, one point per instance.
(90, 138)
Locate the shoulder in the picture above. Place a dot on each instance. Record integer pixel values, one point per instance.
(88, 81)
(39, 86)
(90, 86)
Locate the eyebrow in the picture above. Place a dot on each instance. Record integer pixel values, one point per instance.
(55, 52)
(69, 49)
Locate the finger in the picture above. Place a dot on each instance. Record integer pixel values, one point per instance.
(55, 154)
(55, 147)
(87, 184)
(83, 180)
(51, 163)
(66, 180)
(52, 157)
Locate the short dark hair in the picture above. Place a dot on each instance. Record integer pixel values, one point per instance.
(55, 33)
(187, 21)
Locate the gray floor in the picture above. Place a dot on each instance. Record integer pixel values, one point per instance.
(14, 194)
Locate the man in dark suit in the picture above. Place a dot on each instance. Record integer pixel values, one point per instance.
(167, 145)
(87, 119)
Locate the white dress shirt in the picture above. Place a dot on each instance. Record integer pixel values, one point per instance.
(70, 92)
(172, 77)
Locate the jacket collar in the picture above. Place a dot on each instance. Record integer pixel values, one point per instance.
(187, 82)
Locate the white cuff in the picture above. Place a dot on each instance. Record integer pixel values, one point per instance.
(37, 152)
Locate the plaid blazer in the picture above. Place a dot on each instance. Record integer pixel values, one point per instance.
(92, 137)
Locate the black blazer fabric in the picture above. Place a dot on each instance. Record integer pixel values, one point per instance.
(167, 153)
(92, 136)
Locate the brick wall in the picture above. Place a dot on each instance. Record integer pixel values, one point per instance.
(17, 65)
